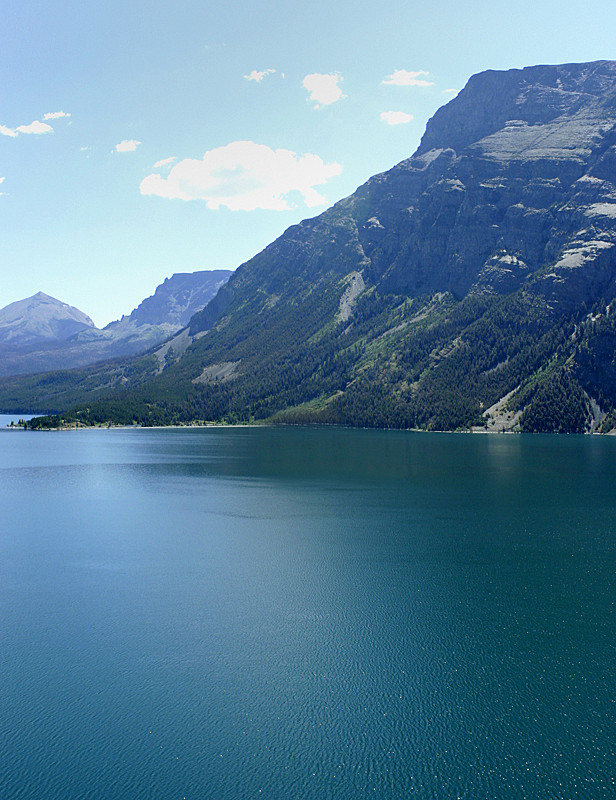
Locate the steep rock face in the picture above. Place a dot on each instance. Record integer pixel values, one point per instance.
(175, 300)
(493, 102)
(518, 169)
(525, 172)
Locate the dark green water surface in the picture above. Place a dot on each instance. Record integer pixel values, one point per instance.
(272, 613)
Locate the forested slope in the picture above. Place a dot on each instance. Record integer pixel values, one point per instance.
(474, 284)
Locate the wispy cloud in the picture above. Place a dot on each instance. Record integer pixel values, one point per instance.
(324, 88)
(127, 146)
(396, 117)
(2, 181)
(450, 91)
(36, 127)
(244, 176)
(55, 115)
(403, 77)
(257, 76)
(164, 162)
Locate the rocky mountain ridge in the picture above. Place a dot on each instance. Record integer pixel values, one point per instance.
(41, 333)
(472, 285)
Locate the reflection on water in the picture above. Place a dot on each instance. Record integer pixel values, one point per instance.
(310, 613)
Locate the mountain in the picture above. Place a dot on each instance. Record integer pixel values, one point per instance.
(472, 285)
(175, 301)
(40, 320)
(43, 334)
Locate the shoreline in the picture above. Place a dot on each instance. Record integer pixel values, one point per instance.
(218, 425)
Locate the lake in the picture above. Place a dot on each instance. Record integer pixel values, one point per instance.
(224, 614)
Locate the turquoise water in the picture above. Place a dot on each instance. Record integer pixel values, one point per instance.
(274, 613)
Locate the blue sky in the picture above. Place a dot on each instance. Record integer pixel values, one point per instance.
(256, 116)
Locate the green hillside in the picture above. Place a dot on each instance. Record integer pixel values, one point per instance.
(470, 286)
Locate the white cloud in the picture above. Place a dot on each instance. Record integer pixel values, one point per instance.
(258, 76)
(55, 115)
(34, 127)
(450, 91)
(244, 176)
(324, 89)
(396, 117)
(127, 146)
(402, 77)
(164, 162)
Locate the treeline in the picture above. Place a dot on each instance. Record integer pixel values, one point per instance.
(57, 391)
(432, 363)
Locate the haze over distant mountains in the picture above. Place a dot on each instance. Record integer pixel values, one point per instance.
(41, 333)
(40, 320)
(473, 284)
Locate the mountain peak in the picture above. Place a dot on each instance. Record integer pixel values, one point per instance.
(537, 95)
(177, 299)
(40, 319)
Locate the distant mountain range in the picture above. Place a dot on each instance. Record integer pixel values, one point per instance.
(41, 333)
(471, 286)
